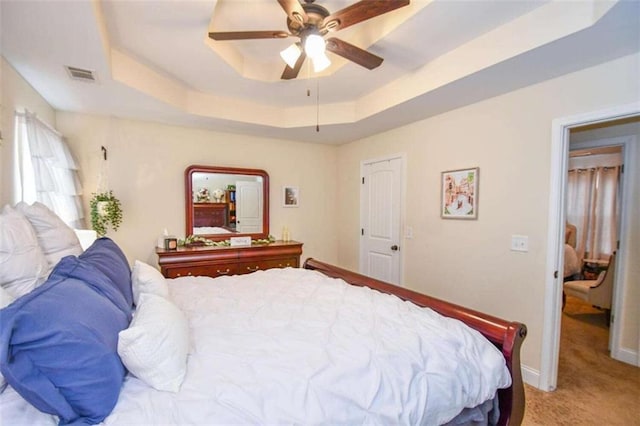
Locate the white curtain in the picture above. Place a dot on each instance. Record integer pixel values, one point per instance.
(592, 206)
(47, 172)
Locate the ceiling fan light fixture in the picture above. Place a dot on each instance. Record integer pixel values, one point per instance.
(291, 54)
(320, 62)
(314, 45)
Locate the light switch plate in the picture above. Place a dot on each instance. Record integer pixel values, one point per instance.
(519, 243)
(408, 232)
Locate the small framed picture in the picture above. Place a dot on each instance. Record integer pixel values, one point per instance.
(460, 194)
(290, 196)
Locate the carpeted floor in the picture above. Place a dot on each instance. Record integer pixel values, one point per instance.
(593, 388)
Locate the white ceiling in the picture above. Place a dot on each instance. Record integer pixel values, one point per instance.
(154, 61)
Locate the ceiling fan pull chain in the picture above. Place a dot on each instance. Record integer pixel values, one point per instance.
(317, 104)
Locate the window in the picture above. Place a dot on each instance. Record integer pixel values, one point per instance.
(45, 169)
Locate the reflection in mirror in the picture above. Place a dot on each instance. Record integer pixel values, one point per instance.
(222, 202)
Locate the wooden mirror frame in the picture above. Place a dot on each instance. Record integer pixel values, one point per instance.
(189, 207)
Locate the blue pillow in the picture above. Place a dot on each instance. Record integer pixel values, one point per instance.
(73, 267)
(106, 256)
(58, 346)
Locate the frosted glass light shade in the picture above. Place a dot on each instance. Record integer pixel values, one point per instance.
(314, 45)
(291, 54)
(320, 62)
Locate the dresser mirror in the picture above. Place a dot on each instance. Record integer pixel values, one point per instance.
(224, 202)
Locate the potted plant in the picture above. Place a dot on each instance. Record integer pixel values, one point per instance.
(106, 211)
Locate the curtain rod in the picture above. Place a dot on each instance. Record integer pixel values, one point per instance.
(588, 169)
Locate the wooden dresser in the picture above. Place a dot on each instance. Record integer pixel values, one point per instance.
(217, 261)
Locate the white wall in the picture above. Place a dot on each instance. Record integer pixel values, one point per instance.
(16, 95)
(509, 138)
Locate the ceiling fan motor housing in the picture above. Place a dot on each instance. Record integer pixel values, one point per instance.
(315, 17)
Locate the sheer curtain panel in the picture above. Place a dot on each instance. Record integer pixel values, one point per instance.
(592, 206)
(46, 170)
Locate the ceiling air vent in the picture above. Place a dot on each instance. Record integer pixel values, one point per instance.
(80, 74)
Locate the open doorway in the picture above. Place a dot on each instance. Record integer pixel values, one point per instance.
(594, 198)
(625, 316)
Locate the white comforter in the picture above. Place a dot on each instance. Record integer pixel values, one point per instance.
(294, 347)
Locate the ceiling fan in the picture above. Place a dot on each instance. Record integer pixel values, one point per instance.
(311, 22)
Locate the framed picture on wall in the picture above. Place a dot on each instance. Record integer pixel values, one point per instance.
(290, 196)
(459, 199)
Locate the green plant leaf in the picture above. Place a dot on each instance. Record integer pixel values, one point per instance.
(112, 215)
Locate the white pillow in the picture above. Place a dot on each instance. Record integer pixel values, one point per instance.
(6, 299)
(23, 265)
(55, 237)
(154, 347)
(147, 279)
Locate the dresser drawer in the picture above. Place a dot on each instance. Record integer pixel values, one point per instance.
(211, 270)
(262, 264)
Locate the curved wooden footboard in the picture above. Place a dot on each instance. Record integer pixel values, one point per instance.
(506, 335)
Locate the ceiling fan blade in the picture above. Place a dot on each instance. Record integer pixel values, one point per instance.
(294, 11)
(290, 73)
(353, 53)
(247, 35)
(361, 11)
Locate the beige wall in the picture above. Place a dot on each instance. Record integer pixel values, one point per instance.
(509, 138)
(16, 95)
(468, 262)
(146, 163)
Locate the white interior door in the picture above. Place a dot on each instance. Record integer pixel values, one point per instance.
(248, 207)
(380, 211)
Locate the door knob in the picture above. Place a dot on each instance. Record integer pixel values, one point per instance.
(394, 247)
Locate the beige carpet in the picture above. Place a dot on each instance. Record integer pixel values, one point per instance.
(593, 389)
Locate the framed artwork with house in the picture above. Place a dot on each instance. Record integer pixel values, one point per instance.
(459, 198)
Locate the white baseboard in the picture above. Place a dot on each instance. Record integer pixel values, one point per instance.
(628, 356)
(531, 377)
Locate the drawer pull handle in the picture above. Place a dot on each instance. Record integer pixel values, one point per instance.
(220, 272)
(178, 275)
(249, 268)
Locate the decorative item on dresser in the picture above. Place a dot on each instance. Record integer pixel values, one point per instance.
(217, 261)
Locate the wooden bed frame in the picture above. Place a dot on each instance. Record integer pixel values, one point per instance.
(506, 335)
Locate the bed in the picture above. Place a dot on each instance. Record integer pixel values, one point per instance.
(311, 345)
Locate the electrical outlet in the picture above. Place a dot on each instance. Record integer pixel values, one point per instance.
(519, 243)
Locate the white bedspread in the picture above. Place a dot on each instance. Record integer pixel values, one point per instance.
(208, 230)
(294, 347)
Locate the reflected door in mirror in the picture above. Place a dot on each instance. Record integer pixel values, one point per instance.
(248, 207)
